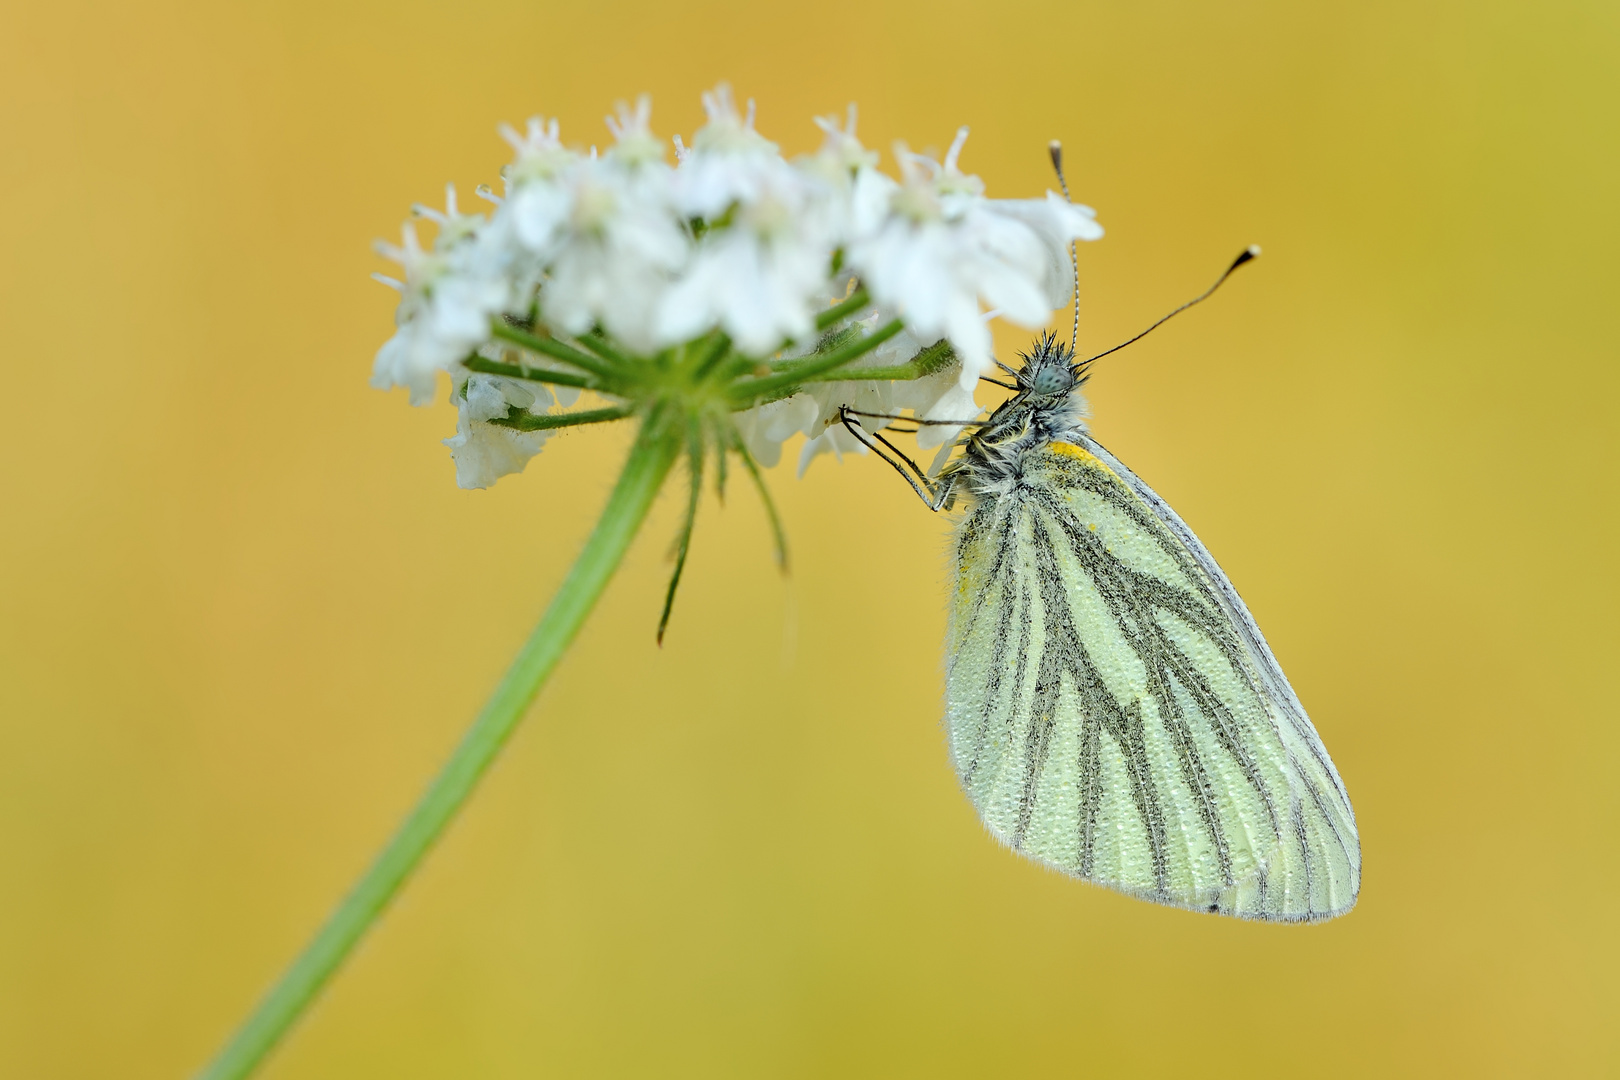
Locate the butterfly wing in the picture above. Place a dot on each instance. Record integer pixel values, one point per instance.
(1114, 712)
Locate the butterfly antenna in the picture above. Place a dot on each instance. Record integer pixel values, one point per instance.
(1249, 253)
(1055, 148)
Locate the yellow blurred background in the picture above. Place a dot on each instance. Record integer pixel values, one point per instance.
(245, 612)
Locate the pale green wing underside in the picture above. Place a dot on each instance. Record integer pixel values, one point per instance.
(1114, 712)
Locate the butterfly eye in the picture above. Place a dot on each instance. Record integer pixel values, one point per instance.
(1051, 380)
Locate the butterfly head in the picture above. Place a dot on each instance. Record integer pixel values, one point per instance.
(1049, 370)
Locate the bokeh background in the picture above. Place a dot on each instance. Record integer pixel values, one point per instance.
(244, 611)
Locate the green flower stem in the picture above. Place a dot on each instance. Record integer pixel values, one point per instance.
(526, 421)
(832, 339)
(656, 448)
(523, 371)
(711, 352)
(857, 300)
(604, 348)
(545, 346)
(771, 386)
(926, 362)
(779, 533)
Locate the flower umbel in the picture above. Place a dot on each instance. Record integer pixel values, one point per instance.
(737, 298)
(725, 304)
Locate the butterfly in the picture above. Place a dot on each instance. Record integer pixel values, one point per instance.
(1112, 710)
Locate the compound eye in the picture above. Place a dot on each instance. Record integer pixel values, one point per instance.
(1052, 380)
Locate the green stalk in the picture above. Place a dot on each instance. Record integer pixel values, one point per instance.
(604, 348)
(546, 346)
(765, 388)
(926, 362)
(523, 371)
(656, 447)
(526, 421)
(857, 300)
(715, 348)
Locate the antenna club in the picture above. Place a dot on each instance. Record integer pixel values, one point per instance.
(1055, 149)
(1248, 253)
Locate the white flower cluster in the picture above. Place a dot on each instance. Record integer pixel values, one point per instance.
(814, 412)
(733, 237)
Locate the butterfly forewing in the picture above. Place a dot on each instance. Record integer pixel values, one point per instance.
(1113, 711)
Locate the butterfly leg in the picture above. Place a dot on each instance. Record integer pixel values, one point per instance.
(933, 495)
(916, 420)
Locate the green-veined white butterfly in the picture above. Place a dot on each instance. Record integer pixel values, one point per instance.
(1112, 709)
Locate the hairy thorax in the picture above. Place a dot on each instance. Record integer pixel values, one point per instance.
(997, 458)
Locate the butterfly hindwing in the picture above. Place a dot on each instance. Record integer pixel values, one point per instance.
(1114, 713)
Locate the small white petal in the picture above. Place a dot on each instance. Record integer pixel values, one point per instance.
(485, 452)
